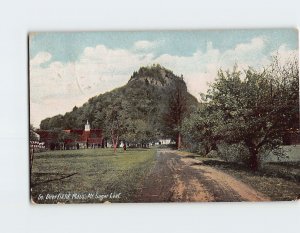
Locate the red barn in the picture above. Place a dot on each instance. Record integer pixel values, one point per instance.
(72, 138)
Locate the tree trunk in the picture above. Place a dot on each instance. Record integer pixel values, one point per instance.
(31, 152)
(115, 147)
(253, 149)
(115, 143)
(253, 158)
(179, 141)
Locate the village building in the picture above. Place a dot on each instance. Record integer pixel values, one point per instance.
(72, 138)
(164, 141)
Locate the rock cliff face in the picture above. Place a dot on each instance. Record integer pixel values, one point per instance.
(155, 75)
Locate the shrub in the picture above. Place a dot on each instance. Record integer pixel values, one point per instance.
(237, 152)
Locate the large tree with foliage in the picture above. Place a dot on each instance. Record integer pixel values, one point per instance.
(115, 124)
(255, 108)
(177, 108)
(200, 129)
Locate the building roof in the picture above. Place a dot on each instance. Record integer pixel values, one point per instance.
(92, 136)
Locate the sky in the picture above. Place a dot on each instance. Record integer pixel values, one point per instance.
(68, 68)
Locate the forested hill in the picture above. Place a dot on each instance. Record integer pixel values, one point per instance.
(141, 105)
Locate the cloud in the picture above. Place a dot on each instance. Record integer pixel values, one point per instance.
(201, 68)
(58, 87)
(284, 54)
(145, 45)
(246, 54)
(40, 58)
(256, 44)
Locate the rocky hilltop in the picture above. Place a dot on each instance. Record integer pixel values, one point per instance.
(140, 105)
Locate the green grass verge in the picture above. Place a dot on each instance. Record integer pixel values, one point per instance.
(89, 172)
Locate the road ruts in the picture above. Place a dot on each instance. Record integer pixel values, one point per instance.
(177, 178)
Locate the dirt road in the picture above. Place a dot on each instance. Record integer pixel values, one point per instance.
(178, 178)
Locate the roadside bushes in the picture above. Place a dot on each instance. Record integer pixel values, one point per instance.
(213, 154)
(277, 154)
(236, 152)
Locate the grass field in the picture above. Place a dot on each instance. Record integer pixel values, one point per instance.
(91, 175)
(99, 175)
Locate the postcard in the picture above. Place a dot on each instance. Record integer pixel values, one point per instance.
(164, 116)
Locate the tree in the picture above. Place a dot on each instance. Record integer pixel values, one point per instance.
(53, 122)
(256, 109)
(200, 129)
(139, 132)
(32, 133)
(115, 126)
(177, 107)
(32, 137)
(66, 139)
